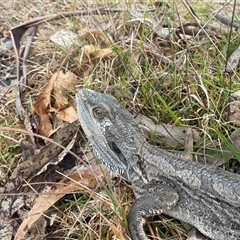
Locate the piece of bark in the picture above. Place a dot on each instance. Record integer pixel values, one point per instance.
(172, 135)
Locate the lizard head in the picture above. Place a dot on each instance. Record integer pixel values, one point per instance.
(109, 129)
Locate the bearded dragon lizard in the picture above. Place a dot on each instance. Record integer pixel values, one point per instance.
(206, 197)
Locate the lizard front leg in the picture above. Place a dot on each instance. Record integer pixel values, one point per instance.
(155, 199)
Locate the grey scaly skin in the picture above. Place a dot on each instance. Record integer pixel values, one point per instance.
(203, 196)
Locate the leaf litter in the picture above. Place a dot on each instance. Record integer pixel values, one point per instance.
(56, 91)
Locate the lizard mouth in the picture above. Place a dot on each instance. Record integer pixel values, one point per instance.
(118, 152)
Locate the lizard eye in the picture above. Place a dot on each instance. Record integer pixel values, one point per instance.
(98, 112)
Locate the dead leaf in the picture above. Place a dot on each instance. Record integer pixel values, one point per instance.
(65, 83)
(96, 37)
(68, 115)
(93, 51)
(42, 105)
(88, 178)
(58, 87)
(84, 69)
(93, 54)
(21, 57)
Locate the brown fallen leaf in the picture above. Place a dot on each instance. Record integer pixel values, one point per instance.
(93, 51)
(42, 105)
(65, 83)
(68, 115)
(96, 37)
(88, 178)
(84, 69)
(58, 87)
(95, 47)
(92, 55)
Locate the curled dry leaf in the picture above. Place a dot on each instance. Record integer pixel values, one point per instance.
(93, 54)
(58, 87)
(42, 105)
(96, 38)
(88, 178)
(95, 47)
(65, 83)
(68, 114)
(93, 51)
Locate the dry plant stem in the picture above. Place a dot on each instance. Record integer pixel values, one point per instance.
(235, 58)
(100, 11)
(225, 20)
(21, 76)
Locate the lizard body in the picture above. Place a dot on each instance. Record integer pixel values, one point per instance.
(204, 196)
